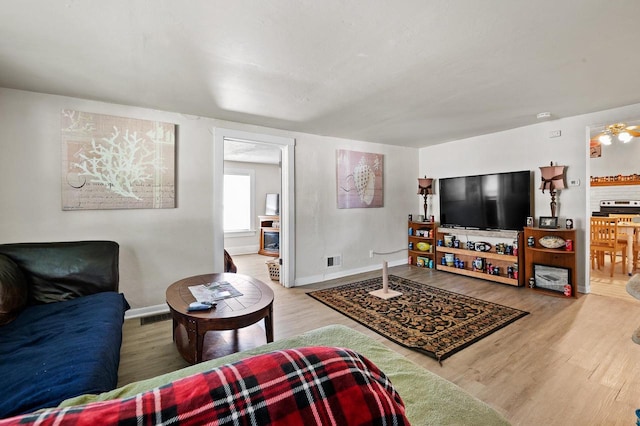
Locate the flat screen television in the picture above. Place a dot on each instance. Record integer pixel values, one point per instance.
(493, 201)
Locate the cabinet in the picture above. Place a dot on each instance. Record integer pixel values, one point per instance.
(269, 235)
(421, 235)
(561, 258)
(503, 253)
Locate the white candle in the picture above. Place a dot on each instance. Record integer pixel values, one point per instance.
(385, 278)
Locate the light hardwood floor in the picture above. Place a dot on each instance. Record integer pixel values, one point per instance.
(571, 361)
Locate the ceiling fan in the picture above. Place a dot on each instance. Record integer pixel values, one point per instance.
(623, 132)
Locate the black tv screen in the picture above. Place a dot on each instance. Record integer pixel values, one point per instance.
(494, 201)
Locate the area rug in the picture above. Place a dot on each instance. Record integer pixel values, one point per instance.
(436, 322)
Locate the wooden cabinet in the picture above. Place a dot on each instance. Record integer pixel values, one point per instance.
(269, 235)
(421, 236)
(503, 254)
(548, 259)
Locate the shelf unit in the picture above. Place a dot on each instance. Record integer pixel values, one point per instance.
(269, 225)
(415, 228)
(559, 257)
(497, 259)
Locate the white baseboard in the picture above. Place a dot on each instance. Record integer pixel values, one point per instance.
(243, 250)
(146, 311)
(344, 273)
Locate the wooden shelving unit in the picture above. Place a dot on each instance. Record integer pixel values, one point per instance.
(414, 229)
(269, 225)
(468, 256)
(558, 257)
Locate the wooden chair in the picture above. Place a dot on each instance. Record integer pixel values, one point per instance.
(629, 218)
(605, 240)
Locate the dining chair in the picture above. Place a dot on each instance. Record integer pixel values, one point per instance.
(605, 240)
(623, 233)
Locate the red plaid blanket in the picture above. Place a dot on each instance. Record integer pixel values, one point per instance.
(314, 385)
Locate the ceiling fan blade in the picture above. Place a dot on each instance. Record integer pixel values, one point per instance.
(634, 133)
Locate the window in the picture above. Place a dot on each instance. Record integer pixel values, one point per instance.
(238, 201)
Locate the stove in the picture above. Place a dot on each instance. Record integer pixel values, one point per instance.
(608, 207)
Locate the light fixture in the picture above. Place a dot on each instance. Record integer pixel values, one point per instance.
(621, 131)
(425, 189)
(552, 179)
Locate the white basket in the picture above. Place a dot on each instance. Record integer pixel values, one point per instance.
(274, 269)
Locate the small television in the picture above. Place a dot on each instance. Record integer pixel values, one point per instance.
(491, 201)
(272, 205)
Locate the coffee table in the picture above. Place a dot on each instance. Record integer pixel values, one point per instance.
(232, 313)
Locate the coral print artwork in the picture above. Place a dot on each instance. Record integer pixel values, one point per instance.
(359, 179)
(116, 163)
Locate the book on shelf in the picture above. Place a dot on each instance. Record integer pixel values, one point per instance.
(211, 292)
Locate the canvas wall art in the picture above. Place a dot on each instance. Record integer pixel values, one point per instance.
(359, 178)
(113, 162)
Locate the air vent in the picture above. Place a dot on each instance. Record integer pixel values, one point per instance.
(155, 318)
(334, 261)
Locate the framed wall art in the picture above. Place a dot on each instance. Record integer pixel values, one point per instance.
(359, 179)
(113, 162)
(548, 222)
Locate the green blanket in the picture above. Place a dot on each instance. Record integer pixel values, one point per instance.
(429, 399)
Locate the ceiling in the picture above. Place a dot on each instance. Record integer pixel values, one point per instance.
(409, 73)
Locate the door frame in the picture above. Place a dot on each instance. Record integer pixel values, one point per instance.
(287, 199)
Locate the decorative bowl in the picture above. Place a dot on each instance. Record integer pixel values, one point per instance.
(551, 242)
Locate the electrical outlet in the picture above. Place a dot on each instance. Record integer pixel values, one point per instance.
(574, 182)
(555, 134)
(371, 254)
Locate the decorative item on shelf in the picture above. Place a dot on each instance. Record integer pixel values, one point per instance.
(552, 180)
(449, 258)
(568, 245)
(422, 246)
(552, 242)
(532, 282)
(482, 246)
(448, 240)
(568, 223)
(425, 188)
(548, 222)
(529, 221)
(410, 217)
(531, 242)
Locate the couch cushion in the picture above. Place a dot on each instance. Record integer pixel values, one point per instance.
(313, 385)
(56, 351)
(13, 290)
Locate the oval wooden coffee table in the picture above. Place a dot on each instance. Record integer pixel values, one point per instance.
(233, 313)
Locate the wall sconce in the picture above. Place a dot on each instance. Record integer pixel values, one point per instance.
(425, 189)
(552, 179)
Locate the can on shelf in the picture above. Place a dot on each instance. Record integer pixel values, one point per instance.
(568, 245)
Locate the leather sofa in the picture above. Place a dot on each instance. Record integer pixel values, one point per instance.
(61, 322)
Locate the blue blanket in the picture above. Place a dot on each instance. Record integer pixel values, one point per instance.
(55, 351)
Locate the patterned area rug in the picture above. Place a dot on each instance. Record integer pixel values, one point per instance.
(436, 322)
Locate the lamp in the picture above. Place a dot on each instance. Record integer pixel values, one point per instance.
(552, 179)
(425, 189)
(623, 132)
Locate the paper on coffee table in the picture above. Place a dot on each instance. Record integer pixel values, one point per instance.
(217, 290)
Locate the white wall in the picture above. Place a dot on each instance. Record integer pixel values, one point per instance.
(528, 148)
(159, 247)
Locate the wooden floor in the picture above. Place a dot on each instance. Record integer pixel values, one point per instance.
(602, 283)
(571, 361)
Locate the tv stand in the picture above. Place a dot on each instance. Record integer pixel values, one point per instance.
(493, 237)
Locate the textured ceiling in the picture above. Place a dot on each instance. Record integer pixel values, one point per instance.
(411, 73)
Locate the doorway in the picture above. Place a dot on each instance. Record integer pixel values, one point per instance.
(606, 163)
(258, 146)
